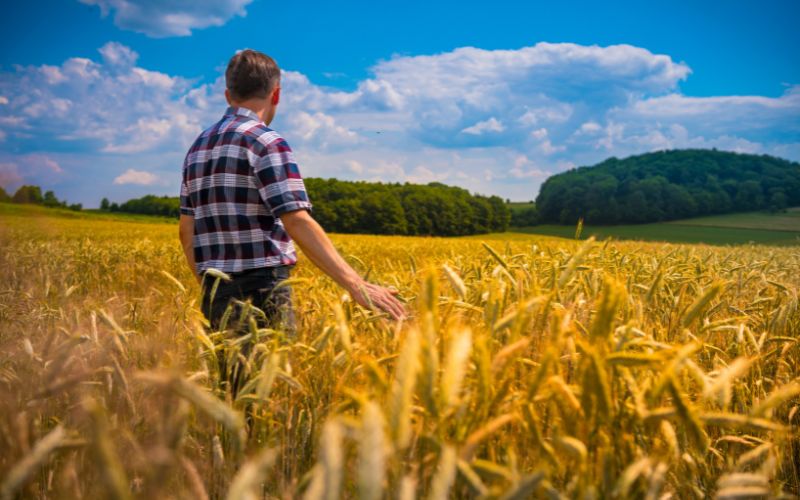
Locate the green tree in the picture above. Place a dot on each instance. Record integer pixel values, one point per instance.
(667, 185)
(105, 204)
(382, 214)
(749, 195)
(778, 201)
(28, 194)
(51, 201)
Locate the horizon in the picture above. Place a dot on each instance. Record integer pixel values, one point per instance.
(506, 200)
(496, 111)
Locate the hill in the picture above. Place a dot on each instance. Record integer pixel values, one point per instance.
(669, 185)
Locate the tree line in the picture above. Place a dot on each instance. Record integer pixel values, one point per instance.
(669, 185)
(33, 195)
(165, 206)
(413, 209)
(375, 208)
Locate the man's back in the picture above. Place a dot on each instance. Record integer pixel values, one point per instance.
(239, 176)
(243, 203)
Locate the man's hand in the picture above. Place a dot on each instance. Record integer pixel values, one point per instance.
(371, 296)
(186, 234)
(316, 245)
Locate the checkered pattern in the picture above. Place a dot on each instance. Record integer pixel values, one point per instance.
(239, 176)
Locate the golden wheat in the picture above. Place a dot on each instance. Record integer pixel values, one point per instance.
(530, 367)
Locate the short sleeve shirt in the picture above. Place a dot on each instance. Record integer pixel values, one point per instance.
(239, 177)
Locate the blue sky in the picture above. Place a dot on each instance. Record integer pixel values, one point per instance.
(102, 97)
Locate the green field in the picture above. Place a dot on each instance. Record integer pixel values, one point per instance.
(783, 221)
(516, 206)
(730, 229)
(37, 211)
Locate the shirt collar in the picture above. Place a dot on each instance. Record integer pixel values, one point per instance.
(234, 110)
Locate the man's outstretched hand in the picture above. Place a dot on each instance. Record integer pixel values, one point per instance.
(316, 245)
(375, 297)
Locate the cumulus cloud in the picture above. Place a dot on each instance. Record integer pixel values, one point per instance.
(80, 102)
(9, 175)
(33, 168)
(116, 54)
(467, 117)
(140, 177)
(490, 125)
(319, 130)
(165, 18)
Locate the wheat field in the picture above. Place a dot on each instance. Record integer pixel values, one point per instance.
(531, 367)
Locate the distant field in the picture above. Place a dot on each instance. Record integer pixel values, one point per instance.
(731, 229)
(33, 211)
(786, 221)
(516, 206)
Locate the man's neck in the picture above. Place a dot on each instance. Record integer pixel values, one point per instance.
(261, 107)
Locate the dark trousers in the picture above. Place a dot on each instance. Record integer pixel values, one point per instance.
(233, 304)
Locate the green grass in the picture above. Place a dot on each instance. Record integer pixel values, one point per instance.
(730, 229)
(783, 221)
(516, 206)
(33, 211)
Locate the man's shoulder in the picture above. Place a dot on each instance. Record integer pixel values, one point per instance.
(241, 131)
(246, 131)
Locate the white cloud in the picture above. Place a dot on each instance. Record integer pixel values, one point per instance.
(589, 127)
(9, 175)
(38, 163)
(525, 168)
(319, 129)
(79, 101)
(490, 125)
(355, 167)
(462, 117)
(556, 112)
(116, 54)
(164, 18)
(141, 177)
(33, 168)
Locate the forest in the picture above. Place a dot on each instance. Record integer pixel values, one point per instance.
(375, 208)
(33, 195)
(652, 187)
(669, 185)
(411, 209)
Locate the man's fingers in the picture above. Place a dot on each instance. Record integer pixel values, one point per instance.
(385, 303)
(378, 298)
(396, 307)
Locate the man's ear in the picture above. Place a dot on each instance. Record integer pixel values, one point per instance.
(228, 96)
(276, 96)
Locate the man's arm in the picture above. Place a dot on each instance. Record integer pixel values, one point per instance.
(186, 232)
(311, 238)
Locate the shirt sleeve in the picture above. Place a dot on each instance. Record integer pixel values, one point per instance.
(279, 181)
(186, 202)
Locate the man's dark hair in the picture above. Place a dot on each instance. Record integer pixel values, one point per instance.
(251, 74)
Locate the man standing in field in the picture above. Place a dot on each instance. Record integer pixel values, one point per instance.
(244, 203)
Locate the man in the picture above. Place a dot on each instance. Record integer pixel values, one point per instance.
(243, 204)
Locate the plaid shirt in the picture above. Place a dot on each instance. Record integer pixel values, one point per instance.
(239, 176)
